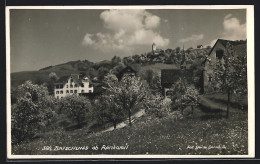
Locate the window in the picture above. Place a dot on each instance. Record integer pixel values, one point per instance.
(71, 86)
(75, 91)
(57, 86)
(169, 93)
(67, 91)
(82, 85)
(82, 91)
(219, 54)
(61, 86)
(75, 85)
(61, 92)
(61, 97)
(71, 80)
(67, 86)
(210, 78)
(71, 91)
(57, 92)
(57, 97)
(90, 91)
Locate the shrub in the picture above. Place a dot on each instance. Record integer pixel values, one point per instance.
(77, 108)
(157, 107)
(33, 111)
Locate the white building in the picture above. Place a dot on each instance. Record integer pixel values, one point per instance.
(73, 84)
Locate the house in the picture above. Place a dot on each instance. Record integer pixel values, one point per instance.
(168, 78)
(72, 84)
(216, 53)
(199, 46)
(130, 70)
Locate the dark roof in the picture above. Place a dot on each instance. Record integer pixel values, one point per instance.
(75, 78)
(169, 76)
(127, 69)
(62, 79)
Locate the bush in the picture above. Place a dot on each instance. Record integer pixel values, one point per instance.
(157, 107)
(32, 113)
(77, 108)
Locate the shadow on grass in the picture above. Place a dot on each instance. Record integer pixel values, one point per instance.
(210, 117)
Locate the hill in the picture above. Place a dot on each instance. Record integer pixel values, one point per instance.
(92, 69)
(40, 76)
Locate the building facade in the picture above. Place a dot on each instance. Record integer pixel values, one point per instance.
(216, 54)
(73, 84)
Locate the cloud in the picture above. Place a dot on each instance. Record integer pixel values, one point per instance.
(192, 38)
(232, 29)
(126, 29)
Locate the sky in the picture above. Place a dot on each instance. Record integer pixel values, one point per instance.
(44, 37)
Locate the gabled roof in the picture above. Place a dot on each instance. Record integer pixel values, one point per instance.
(76, 79)
(63, 79)
(127, 69)
(224, 43)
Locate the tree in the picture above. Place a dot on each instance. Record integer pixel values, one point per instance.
(208, 47)
(77, 108)
(110, 109)
(25, 119)
(117, 68)
(127, 60)
(137, 58)
(53, 76)
(130, 92)
(153, 80)
(184, 95)
(156, 106)
(52, 79)
(177, 49)
(230, 74)
(115, 61)
(32, 112)
(102, 71)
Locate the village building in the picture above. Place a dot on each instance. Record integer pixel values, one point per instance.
(168, 78)
(130, 70)
(199, 46)
(72, 84)
(216, 53)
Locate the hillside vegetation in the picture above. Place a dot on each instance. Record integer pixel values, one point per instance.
(197, 134)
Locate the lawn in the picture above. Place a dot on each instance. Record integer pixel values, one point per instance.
(197, 134)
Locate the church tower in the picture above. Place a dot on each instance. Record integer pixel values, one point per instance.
(153, 48)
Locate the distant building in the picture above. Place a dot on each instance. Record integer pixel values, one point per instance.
(72, 84)
(128, 71)
(153, 47)
(155, 50)
(199, 46)
(216, 53)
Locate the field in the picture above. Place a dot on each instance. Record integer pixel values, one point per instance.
(194, 134)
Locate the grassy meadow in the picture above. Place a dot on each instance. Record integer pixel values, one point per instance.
(193, 134)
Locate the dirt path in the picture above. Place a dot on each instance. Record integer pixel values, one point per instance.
(122, 124)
